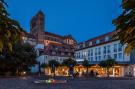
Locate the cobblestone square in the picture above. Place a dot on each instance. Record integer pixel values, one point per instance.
(78, 83)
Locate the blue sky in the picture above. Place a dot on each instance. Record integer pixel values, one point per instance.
(83, 19)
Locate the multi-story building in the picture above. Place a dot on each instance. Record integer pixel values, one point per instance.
(52, 46)
(106, 47)
(49, 46)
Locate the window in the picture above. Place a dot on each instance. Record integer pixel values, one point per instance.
(97, 41)
(99, 58)
(82, 56)
(90, 43)
(108, 56)
(99, 51)
(91, 58)
(108, 49)
(79, 55)
(53, 53)
(78, 46)
(69, 54)
(106, 38)
(120, 55)
(102, 40)
(87, 44)
(46, 57)
(96, 58)
(88, 52)
(120, 47)
(95, 51)
(91, 52)
(104, 49)
(84, 44)
(115, 47)
(115, 56)
(104, 57)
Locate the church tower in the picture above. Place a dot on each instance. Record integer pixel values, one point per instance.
(37, 26)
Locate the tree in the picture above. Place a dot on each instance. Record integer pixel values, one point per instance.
(21, 59)
(109, 63)
(86, 64)
(44, 65)
(125, 24)
(10, 30)
(24, 56)
(53, 64)
(70, 63)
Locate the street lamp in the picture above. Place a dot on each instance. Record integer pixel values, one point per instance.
(39, 70)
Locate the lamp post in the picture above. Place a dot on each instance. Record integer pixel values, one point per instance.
(71, 70)
(39, 70)
(44, 63)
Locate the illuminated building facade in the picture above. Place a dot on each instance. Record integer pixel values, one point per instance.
(49, 46)
(106, 47)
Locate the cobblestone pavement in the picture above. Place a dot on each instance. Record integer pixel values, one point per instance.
(27, 83)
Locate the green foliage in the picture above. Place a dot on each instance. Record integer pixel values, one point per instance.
(86, 63)
(44, 65)
(21, 59)
(53, 63)
(69, 62)
(125, 24)
(10, 30)
(108, 63)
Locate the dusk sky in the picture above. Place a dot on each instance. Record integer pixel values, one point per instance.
(83, 19)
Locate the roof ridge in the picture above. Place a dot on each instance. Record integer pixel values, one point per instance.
(54, 34)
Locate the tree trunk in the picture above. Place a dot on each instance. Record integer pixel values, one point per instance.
(44, 70)
(54, 72)
(108, 72)
(87, 72)
(17, 72)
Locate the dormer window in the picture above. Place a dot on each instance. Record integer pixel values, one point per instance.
(97, 41)
(83, 44)
(107, 38)
(90, 43)
(78, 46)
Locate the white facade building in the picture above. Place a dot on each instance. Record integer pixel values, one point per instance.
(105, 47)
(102, 52)
(43, 58)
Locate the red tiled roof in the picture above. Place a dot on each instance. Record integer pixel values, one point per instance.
(101, 36)
(98, 37)
(93, 40)
(29, 35)
(97, 44)
(55, 35)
